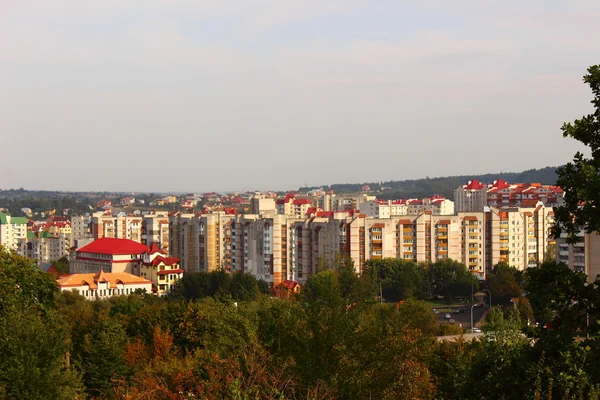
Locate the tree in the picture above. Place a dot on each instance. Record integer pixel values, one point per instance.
(244, 287)
(580, 179)
(34, 340)
(503, 283)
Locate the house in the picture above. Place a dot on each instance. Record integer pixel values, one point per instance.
(287, 290)
(163, 271)
(104, 284)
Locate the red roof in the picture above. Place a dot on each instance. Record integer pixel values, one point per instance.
(170, 271)
(114, 246)
(474, 185)
(165, 260)
(302, 201)
(500, 184)
(154, 249)
(325, 214)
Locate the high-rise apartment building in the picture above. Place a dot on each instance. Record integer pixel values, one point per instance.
(121, 226)
(583, 256)
(12, 229)
(155, 229)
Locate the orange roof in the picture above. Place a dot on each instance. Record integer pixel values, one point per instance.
(77, 280)
(470, 218)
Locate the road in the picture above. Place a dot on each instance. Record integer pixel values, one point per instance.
(464, 318)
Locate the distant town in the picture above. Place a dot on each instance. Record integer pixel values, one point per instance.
(284, 237)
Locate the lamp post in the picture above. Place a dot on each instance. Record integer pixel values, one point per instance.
(473, 306)
(485, 290)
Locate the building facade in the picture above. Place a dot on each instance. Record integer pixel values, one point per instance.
(108, 255)
(102, 285)
(12, 230)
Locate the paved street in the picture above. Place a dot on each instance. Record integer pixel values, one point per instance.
(462, 318)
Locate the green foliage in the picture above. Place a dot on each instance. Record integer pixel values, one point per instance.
(33, 336)
(61, 264)
(503, 283)
(580, 179)
(237, 286)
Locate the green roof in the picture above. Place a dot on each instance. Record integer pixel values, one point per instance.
(30, 235)
(13, 220)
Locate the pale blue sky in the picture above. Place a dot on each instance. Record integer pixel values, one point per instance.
(210, 95)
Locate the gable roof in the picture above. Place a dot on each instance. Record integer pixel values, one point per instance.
(114, 246)
(76, 280)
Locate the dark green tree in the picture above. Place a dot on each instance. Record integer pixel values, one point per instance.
(580, 179)
(34, 340)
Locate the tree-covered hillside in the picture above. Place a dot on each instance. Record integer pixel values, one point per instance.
(442, 185)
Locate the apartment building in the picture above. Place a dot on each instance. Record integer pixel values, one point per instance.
(120, 226)
(44, 246)
(277, 247)
(436, 205)
(583, 256)
(292, 206)
(333, 202)
(12, 230)
(262, 204)
(81, 227)
(202, 242)
(155, 229)
(518, 236)
(475, 195)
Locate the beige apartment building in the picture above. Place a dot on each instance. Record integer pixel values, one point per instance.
(121, 226)
(155, 229)
(44, 246)
(201, 241)
(583, 256)
(277, 247)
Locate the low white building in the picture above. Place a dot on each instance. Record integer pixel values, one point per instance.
(104, 284)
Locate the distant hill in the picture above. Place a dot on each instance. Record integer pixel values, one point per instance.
(444, 186)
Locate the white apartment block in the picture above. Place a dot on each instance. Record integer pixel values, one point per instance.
(475, 195)
(81, 227)
(436, 205)
(12, 230)
(44, 247)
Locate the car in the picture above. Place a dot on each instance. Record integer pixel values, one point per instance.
(436, 312)
(451, 321)
(476, 330)
(448, 316)
(461, 311)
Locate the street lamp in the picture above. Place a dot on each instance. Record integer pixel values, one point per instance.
(473, 306)
(485, 290)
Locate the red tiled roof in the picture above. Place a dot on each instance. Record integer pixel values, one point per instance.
(470, 218)
(324, 214)
(165, 260)
(114, 246)
(170, 271)
(405, 222)
(301, 201)
(154, 249)
(474, 185)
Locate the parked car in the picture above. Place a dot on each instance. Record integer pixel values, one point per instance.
(436, 312)
(476, 330)
(448, 316)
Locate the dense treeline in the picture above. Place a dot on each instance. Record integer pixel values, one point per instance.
(333, 341)
(416, 188)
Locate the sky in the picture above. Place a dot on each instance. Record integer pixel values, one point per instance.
(196, 95)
